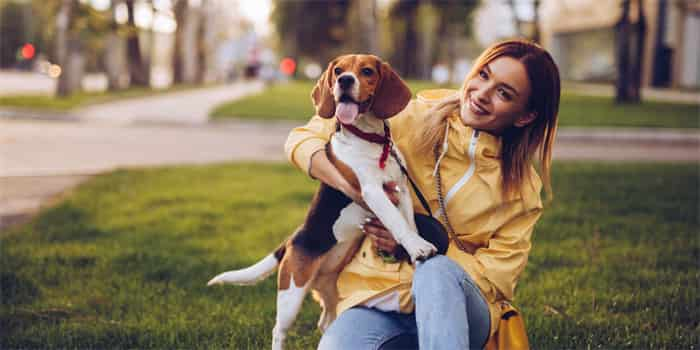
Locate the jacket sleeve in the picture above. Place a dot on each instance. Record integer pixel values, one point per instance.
(496, 267)
(304, 141)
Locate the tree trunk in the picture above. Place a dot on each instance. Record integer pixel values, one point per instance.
(410, 64)
(368, 25)
(622, 29)
(637, 67)
(180, 9)
(190, 51)
(138, 71)
(114, 53)
(202, 42)
(62, 23)
(536, 22)
(516, 20)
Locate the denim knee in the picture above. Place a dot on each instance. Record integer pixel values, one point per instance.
(438, 270)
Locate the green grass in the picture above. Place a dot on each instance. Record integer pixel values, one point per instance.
(292, 102)
(122, 262)
(81, 99)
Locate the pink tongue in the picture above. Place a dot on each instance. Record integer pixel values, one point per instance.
(346, 112)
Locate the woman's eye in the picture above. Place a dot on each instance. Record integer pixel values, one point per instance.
(367, 72)
(337, 71)
(483, 75)
(503, 93)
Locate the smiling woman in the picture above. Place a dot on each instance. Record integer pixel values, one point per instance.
(476, 145)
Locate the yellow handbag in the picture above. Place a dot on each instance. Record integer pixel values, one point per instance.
(511, 331)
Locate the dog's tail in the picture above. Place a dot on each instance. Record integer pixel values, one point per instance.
(252, 274)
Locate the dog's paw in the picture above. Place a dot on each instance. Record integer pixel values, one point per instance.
(418, 248)
(216, 280)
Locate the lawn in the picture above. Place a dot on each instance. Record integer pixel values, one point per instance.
(81, 99)
(293, 102)
(122, 262)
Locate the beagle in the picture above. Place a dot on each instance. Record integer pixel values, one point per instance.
(360, 91)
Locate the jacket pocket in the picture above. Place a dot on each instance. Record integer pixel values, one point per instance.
(370, 260)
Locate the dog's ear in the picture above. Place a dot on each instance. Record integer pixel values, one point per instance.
(322, 94)
(392, 95)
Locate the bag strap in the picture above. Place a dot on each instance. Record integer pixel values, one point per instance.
(413, 184)
(443, 210)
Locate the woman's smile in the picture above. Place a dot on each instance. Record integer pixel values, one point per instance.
(476, 108)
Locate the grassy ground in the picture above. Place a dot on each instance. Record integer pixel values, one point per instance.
(81, 99)
(122, 262)
(292, 102)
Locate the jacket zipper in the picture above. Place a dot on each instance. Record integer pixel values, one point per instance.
(470, 171)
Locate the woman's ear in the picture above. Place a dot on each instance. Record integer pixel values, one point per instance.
(525, 119)
(322, 96)
(392, 94)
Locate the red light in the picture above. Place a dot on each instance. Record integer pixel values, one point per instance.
(28, 51)
(287, 66)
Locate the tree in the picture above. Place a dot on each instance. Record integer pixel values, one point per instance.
(628, 84)
(311, 28)
(138, 68)
(534, 32)
(403, 15)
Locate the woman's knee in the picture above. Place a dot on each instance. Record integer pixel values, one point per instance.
(438, 270)
(359, 328)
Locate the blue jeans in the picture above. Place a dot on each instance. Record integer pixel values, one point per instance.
(450, 314)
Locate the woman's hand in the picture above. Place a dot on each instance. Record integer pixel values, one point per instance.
(382, 239)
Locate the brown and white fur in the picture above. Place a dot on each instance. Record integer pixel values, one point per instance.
(363, 91)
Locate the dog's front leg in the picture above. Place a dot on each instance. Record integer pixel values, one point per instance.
(391, 217)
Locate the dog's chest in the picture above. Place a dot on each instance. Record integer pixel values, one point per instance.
(363, 159)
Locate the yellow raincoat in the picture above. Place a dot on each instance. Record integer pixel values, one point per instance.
(498, 230)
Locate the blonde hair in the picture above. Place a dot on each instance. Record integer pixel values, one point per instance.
(518, 144)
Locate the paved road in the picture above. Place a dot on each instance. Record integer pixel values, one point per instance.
(183, 107)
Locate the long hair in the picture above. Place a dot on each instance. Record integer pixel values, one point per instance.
(519, 145)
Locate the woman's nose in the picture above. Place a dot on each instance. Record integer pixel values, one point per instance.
(481, 94)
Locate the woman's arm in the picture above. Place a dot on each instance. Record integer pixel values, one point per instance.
(305, 147)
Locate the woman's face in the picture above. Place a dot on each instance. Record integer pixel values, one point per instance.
(496, 97)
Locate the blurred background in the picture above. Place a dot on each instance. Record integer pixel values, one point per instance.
(136, 139)
(60, 47)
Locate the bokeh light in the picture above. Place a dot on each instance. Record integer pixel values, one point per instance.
(287, 66)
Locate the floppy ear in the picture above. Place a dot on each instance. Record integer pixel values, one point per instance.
(322, 95)
(392, 95)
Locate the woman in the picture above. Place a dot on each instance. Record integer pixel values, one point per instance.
(480, 142)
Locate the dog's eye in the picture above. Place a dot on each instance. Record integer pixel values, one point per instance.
(367, 72)
(337, 70)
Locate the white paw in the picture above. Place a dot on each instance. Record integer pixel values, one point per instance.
(218, 279)
(418, 248)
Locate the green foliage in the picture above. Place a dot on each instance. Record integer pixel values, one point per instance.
(578, 110)
(292, 102)
(613, 265)
(312, 28)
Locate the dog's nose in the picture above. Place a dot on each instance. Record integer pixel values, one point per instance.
(346, 81)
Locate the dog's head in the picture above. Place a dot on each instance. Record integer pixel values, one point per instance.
(354, 84)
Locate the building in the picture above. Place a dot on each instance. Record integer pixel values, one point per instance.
(580, 34)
